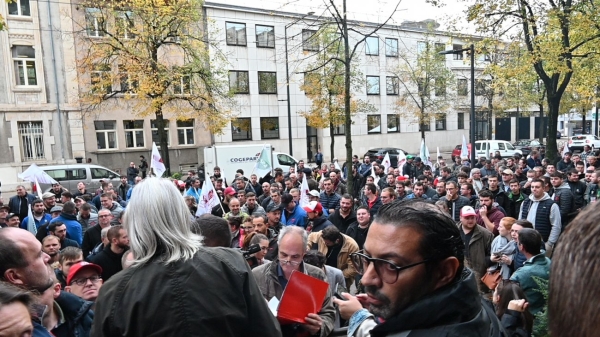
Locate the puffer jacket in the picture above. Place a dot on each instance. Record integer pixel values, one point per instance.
(78, 316)
(563, 197)
(268, 282)
(453, 310)
(454, 206)
(211, 294)
(344, 263)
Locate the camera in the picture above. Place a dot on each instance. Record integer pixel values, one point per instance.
(255, 248)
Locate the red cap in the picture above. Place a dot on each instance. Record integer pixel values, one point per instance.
(230, 191)
(314, 206)
(401, 178)
(78, 267)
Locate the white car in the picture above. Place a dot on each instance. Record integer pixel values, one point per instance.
(576, 143)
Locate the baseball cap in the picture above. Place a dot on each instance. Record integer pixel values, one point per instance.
(401, 178)
(5, 207)
(230, 191)
(417, 159)
(314, 206)
(56, 209)
(11, 215)
(314, 193)
(47, 195)
(77, 267)
(467, 211)
(508, 171)
(273, 208)
(410, 156)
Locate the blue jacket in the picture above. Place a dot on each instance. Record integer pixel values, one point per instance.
(539, 267)
(78, 316)
(45, 219)
(296, 218)
(74, 231)
(194, 193)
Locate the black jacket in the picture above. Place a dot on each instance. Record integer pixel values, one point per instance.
(109, 261)
(20, 205)
(212, 294)
(78, 316)
(91, 238)
(340, 222)
(453, 310)
(578, 189)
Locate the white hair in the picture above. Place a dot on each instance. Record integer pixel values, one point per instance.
(104, 232)
(158, 223)
(293, 230)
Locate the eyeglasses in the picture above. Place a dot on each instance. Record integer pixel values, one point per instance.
(104, 216)
(83, 281)
(292, 263)
(386, 270)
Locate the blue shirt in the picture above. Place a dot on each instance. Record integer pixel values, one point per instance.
(282, 280)
(44, 220)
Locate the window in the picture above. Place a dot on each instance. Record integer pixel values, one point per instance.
(463, 87)
(95, 24)
(134, 133)
(421, 47)
(458, 56)
(310, 41)
(265, 36)
(425, 126)
(100, 173)
(423, 86)
(19, 7)
(391, 47)
(106, 134)
(267, 82)
(393, 123)
(24, 61)
(501, 146)
(285, 160)
(372, 85)
(461, 120)
(481, 87)
(154, 130)
(372, 45)
(238, 82)
(339, 130)
(236, 33)
(62, 174)
(124, 25)
(31, 135)
(241, 129)
(185, 132)
(183, 85)
(100, 80)
(440, 122)
(128, 82)
(269, 127)
(373, 124)
(440, 87)
(392, 85)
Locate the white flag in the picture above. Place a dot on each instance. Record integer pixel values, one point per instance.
(304, 196)
(401, 161)
(31, 221)
(386, 162)
(424, 153)
(464, 149)
(38, 188)
(208, 198)
(565, 150)
(157, 162)
(375, 177)
(438, 154)
(263, 164)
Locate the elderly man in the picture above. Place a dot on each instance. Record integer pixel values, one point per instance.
(272, 278)
(417, 291)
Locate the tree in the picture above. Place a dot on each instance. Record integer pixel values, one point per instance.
(423, 78)
(324, 85)
(557, 35)
(340, 19)
(152, 57)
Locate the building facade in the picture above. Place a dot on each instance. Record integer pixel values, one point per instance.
(41, 120)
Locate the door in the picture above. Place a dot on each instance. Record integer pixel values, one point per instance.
(312, 143)
(503, 126)
(524, 130)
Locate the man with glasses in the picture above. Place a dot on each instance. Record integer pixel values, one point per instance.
(272, 278)
(411, 286)
(84, 280)
(92, 237)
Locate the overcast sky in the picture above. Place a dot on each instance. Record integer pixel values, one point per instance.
(366, 10)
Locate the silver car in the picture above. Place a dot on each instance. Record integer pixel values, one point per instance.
(70, 175)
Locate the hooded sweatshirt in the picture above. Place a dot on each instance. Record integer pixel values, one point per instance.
(554, 216)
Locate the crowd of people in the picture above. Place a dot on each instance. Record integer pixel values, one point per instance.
(454, 250)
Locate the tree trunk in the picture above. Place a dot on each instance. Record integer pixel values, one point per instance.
(347, 115)
(541, 128)
(553, 107)
(583, 120)
(162, 141)
(332, 145)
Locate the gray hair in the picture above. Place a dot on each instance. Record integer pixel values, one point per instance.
(103, 232)
(293, 230)
(158, 223)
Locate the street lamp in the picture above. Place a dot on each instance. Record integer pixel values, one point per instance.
(287, 79)
(471, 51)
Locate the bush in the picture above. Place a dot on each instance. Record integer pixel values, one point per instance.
(176, 176)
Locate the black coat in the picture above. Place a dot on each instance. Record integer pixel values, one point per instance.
(109, 261)
(91, 238)
(20, 205)
(212, 294)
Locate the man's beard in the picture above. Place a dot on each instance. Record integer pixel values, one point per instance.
(385, 310)
(123, 246)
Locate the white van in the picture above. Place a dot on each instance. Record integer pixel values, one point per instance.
(487, 148)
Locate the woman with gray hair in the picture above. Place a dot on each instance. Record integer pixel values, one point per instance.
(175, 286)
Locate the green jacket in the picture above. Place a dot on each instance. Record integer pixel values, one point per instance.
(537, 266)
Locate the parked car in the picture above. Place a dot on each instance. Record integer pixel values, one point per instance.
(379, 153)
(70, 175)
(576, 143)
(487, 148)
(457, 150)
(526, 145)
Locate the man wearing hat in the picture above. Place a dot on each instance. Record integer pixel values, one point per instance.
(407, 170)
(292, 214)
(4, 209)
(418, 167)
(223, 208)
(274, 217)
(84, 280)
(478, 243)
(19, 204)
(49, 200)
(507, 176)
(316, 221)
(314, 195)
(12, 220)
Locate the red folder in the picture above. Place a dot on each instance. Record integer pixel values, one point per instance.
(303, 295)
